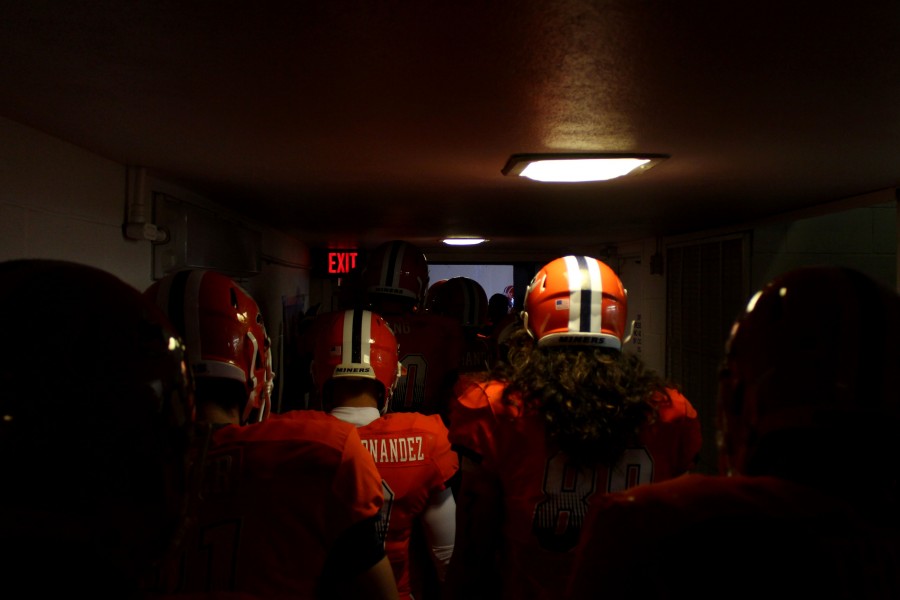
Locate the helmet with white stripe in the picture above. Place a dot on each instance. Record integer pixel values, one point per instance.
(397, 270)
(357, 343)
(224, 331)
(576, 301)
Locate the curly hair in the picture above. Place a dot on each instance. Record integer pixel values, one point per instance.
(593, 402)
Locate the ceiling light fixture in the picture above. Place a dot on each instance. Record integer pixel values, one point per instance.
(463, 241)
(576, 168)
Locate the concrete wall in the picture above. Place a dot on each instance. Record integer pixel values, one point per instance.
(59, 201)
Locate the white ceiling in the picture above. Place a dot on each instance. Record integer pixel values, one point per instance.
(361, 121)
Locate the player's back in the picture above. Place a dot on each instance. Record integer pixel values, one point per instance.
(430, 350)
(276, 496)
(413, 455)
(476, 354)
(739, 537)
(545, 494)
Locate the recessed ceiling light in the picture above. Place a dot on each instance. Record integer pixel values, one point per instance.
(577, 168)
(463, 241)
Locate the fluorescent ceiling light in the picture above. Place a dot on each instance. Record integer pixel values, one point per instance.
(575, 168)
(463, 241)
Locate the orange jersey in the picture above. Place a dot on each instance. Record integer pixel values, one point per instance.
(430, 350)
(546, 498)
(750, 537)
(276, 497)
(413, 455)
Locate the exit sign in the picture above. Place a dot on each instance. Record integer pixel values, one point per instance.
(337, 262)
(342, 262)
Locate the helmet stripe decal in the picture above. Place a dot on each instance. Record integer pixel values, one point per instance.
(192, 312)
(585, 294)
(357, 331)
(596, 283)
(183, 308)
(392, 261)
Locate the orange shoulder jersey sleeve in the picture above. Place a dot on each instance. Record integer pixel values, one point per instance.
(473, 420)
(678, 427)
(692, 438)
(445, 459)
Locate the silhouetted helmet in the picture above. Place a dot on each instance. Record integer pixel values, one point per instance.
(463, 299)
(817, 348)
(96, 411)
(397, 269)
(431, 293)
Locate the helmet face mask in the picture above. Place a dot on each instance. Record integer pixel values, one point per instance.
(357, 344)
(224, 332)
(576, 301)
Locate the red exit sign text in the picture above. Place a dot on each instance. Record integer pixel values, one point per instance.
(341, 262)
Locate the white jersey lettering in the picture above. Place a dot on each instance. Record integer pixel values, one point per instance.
(396, 450)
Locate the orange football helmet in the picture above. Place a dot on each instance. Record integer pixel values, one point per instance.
(576, 301)
(356, 343)
(224, 332)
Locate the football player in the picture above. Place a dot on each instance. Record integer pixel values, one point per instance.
(568, 419)
(463, 299)
(96, 416)
(356, 368)
(395, 280)
(290, 503)
(807, 505)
